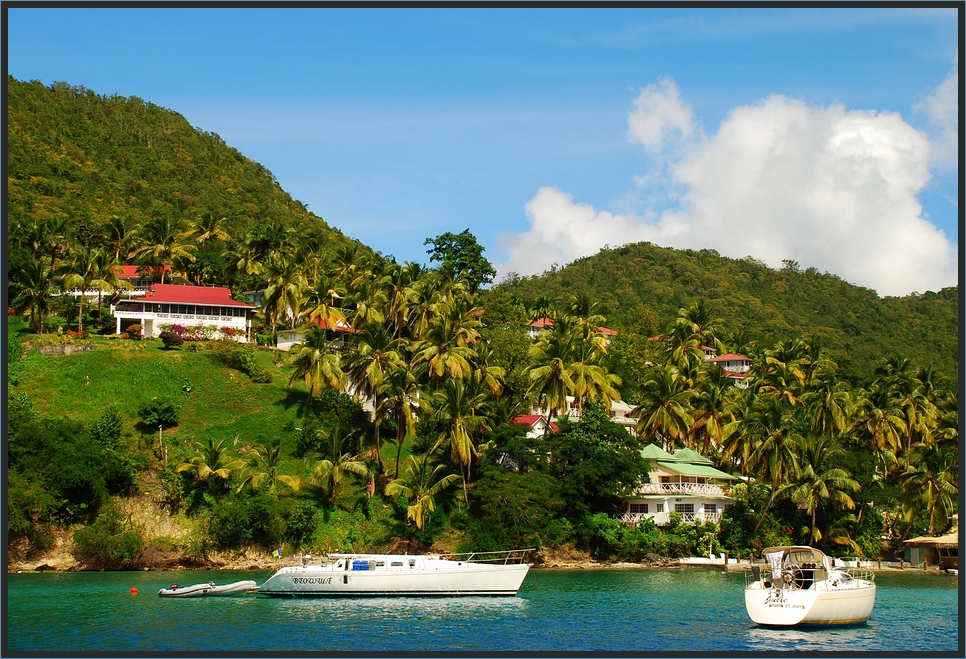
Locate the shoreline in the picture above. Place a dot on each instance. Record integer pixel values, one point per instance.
(67, 563)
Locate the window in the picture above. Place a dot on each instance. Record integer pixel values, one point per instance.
(639, 508)
(684, 508)
(665, 479)
(710, 508)
(660, 507)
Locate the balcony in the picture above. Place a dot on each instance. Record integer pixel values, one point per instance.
(677, 489)
(663, 519)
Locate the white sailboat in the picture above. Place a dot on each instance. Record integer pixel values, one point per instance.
(801, 586)
(490, 574)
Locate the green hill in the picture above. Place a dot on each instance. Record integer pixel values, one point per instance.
(78, 156)
(642, 287)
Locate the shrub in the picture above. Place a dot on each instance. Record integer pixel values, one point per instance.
(171, 340)
(135, 332)
(159, 412)
(111, 542)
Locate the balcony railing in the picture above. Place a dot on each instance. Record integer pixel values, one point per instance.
(683, 488)
(661, 519)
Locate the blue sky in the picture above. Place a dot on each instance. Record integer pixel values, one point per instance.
(825, 136)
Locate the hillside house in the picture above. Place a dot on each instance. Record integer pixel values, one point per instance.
(684, 482)
(619, 413)
(734, 366)
(169, 304)
(140, 277)
(339, 331)
(534, 328)
(537, 423)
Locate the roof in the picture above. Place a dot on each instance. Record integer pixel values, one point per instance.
(951, 539)
(193, 295)
(687, 469)
(541, 322)
(655, 452)
(339, 325)
(689, 455)
(132, 270)
(531, 420)
(730, 357)
(608, 331)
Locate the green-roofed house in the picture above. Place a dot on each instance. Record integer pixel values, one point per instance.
(684, 482)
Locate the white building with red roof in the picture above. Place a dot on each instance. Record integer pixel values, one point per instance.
(734, 366)
(191, 306)
(536, 326)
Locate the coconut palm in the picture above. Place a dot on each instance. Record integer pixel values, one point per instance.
(332, 468)
(212, 458)
(120, 236)
(421, 482)
(817, 478)
(208, 227)
(456, 410)
(367, 367)
(664, 411)
(163, 244)
(263, 465)
(91, 269)
(284, 293)
(30, 287)
(315, 362)
(931, 480)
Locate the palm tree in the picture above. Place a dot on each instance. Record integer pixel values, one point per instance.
(120, 235)
(421, 483)
(931, 479)
(30, 286)
(263, 466)
(400, 399)
(162, 243)
(367, 368)
(456, 408)
(711, 412)
(771, 426)
(315, 362)
(550, 375)
(208, 227)
(817, 479)
(283, 295)
(337, 463)
(211, 458)
(664, 410)
(91, 269)
(828, 404)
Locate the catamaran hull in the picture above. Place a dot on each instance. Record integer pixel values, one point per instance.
(850, 606)
(468, 581)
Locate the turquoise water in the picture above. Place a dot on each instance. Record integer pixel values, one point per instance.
(595, 611)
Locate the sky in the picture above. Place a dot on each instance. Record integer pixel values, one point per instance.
(825, 136)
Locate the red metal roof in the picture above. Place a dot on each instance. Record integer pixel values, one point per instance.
(530, 419)
(132, 270)
(541, 322)
(193, 295)
(730, 357)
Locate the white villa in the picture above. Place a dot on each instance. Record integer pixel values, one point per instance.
(169, 304)
(685, 482)
(141, 279)
(734, 366)
(619, 413)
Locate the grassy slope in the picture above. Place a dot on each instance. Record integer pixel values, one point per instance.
(124, 374)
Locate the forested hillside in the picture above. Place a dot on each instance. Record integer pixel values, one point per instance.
(79, 157)
(641, 287)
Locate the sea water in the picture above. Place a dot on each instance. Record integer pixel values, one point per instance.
(640, 611)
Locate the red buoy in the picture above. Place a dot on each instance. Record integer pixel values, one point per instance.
(134, 591)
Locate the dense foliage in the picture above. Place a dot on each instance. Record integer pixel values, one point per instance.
(390, 420)
(641, 287)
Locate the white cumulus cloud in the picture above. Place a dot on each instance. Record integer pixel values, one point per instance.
(941, 107)
(831, 188)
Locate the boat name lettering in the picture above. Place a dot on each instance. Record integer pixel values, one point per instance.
(307, 580)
